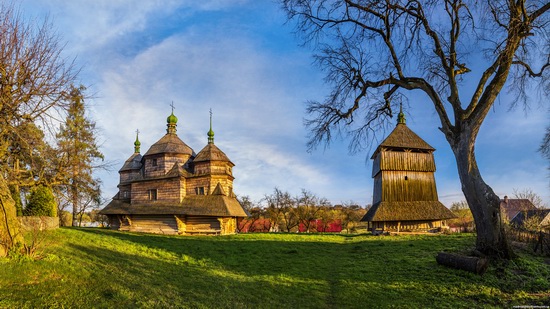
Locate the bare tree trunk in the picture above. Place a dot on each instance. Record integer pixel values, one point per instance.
(74, 200)
(483, 202)
(472, 264)
(10, 235)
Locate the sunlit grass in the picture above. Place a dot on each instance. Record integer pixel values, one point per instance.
(88, 268)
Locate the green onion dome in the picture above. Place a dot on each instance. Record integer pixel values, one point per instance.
(172, 119)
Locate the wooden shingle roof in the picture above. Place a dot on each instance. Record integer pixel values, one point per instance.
(195, 205)
(169, 143)
(408, 211)
(133, 163)
(211, 152)
(403, 137)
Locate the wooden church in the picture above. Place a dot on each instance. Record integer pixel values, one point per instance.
(172, 190)
(405, 195)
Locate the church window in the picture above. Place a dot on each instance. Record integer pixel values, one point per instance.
(126, 194)
(152, 194)
(199, 191)
(154, 162)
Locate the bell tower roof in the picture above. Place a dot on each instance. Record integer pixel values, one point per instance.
(403, 138)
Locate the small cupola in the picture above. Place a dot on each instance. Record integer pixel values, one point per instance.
(172, 122)
(210, 132)
(137, 143)
(401, 116)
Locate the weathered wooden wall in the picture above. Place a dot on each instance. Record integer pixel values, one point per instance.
(209, 182)
(404, 176)
(197, 182)
(157, 224)
(164, 163)
(202, 225)
(129, 175)
(403, 161)
(168, 190)
(408, 186)
(406, 226)
(212, 167)
(125, 191)
(171, 225)
(377, 192)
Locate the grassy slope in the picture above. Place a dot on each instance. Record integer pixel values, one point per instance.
(101, 268)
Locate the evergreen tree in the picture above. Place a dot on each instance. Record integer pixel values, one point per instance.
(78, 155)
(41, 202)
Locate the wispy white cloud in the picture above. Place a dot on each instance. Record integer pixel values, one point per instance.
(253, 106)
(92, 25)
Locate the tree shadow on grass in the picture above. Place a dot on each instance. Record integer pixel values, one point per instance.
(134, 280)
(356, 273)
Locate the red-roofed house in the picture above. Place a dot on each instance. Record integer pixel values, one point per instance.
(511, 207)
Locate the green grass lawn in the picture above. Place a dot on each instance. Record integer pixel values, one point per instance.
(95, 268)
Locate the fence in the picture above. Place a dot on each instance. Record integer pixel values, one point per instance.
(39, 223)
(538, 239)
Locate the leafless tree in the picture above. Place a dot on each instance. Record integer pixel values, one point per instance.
(308, 209)
(254, 211)
(277, 206)
(464, 218)
(350, 213)
(289, 214)
(34, 77)
(530, 195)
(374, 52)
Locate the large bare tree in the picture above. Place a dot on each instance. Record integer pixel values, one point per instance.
(34, 80)
(374, 52)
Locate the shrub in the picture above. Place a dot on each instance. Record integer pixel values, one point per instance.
(41, 202)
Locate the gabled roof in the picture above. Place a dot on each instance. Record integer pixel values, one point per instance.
(542, 217)
(133, 163)
(169, 143)
(218, 190)
(512, 207)
(177, 171)
(403, 137)
(408, 211)
(211, 152)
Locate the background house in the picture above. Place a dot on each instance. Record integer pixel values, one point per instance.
(534, 219)
(510, 207)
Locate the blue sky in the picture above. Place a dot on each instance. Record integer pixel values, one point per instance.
(241, 59)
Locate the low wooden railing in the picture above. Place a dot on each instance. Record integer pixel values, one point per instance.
(540, 240)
